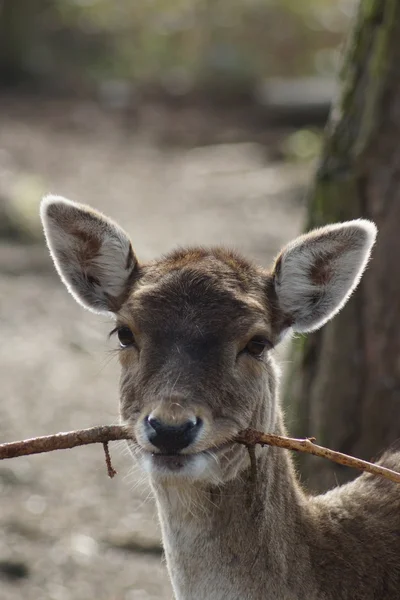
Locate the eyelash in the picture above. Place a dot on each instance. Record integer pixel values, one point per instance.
(113, 332)
(263, 343)
(129, 337)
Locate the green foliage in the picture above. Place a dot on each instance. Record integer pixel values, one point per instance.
(303, 145)
(178, 43)
(19, 211)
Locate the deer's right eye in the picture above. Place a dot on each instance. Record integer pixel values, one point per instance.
(125, 336)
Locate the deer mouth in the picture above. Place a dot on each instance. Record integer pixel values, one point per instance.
(172, 462)
(176, 462)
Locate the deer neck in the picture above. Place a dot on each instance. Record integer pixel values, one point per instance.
(218, 541)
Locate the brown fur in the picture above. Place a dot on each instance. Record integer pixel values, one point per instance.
(250, 540)
(231, 533)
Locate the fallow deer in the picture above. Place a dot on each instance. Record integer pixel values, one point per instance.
(196, 330)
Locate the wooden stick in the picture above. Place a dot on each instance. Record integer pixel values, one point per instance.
(249, 437)
(63, 441)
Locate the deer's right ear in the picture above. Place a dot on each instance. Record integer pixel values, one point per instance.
(91, 253)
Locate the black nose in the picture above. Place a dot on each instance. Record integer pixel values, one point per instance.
(170, 439)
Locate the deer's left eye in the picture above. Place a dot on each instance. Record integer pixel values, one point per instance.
(257, 345)
(125, 336)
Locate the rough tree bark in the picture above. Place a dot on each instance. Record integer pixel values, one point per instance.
(344, 383)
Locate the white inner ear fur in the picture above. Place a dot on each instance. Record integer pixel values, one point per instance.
(316, 273)
(91, 253)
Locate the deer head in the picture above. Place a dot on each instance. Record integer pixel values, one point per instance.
(196, 329)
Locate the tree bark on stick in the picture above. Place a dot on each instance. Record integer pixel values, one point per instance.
(344, 383)
(249, 437)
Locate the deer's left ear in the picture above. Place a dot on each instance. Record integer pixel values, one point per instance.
(315, 275)
(91, 253)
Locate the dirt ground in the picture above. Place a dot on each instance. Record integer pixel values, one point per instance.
(67, 531)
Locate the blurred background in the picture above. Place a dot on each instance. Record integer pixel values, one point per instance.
(187, 122)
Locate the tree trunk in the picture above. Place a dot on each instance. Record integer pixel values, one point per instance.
(344, 383)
